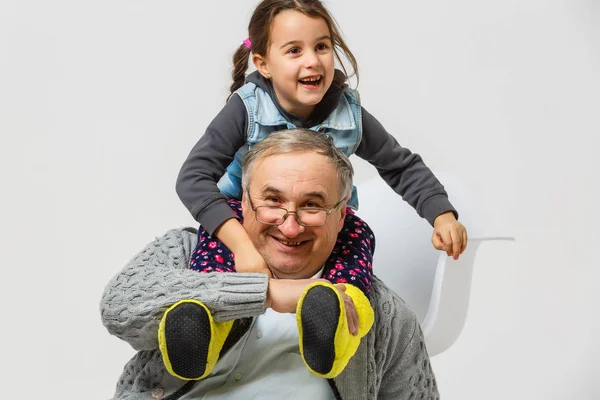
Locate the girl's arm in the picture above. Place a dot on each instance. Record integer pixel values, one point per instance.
(206, 164)
(403, 171)
(197, 184)
(234, 236)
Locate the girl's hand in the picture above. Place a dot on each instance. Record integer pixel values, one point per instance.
(449, 235)
(250, 260)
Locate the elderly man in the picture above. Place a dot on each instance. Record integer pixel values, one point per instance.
(260, 357)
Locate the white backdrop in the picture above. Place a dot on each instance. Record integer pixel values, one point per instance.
(100, 102)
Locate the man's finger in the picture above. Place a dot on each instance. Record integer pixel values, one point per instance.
(340, 286)
(465, 240)
(351, 315)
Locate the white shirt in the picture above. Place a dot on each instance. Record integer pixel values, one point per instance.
(264, 364)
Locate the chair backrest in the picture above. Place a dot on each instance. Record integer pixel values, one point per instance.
(434, 285)
(404, 256)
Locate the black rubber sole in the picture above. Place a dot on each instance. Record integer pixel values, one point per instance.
(187, 336)
(320, 314)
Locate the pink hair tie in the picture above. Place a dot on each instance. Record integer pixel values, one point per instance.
(247, 43)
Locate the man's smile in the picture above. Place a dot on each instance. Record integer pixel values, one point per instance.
(289, 245)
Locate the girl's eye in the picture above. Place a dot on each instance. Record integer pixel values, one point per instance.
(322, 46)
(294, 50)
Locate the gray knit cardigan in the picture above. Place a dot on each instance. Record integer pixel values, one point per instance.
(391, 361)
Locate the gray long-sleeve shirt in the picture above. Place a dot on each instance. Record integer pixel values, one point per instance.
(402, 170)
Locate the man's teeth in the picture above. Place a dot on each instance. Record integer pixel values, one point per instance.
(290, 243)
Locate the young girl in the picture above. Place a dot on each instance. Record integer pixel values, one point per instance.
(293, 45)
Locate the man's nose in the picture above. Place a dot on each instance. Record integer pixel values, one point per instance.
(290, 227)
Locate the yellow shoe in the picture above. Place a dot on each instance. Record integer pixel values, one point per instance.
(190, 341)
(326, 344)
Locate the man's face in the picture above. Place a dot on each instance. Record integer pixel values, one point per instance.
(292, 181)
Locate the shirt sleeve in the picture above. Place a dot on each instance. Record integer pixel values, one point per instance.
(206, 164)
(135, 300)
(402, 170)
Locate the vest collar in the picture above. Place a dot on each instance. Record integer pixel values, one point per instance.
(266, 113)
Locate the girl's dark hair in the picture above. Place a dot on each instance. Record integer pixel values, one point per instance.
(259, 31)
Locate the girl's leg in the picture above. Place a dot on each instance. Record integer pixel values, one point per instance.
(190, 341)
(326, 344)
(352, 257)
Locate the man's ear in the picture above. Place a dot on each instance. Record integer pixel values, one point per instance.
(261, 65)
(342, 214)
(244, 200)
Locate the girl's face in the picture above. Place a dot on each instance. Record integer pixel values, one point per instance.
(299, 61)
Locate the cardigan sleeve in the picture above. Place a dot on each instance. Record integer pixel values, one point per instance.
(134, 301)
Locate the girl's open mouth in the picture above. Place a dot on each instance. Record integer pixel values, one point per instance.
(313, 81)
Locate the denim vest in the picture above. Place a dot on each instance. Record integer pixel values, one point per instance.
(344, 125)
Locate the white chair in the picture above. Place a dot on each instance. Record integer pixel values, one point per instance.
(434, 285)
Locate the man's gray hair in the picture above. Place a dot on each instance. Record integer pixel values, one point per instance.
(297, 141)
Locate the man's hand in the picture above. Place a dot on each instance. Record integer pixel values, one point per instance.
(351, 314)
(283, 296)
(449, 235)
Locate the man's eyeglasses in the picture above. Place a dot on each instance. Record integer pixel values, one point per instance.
(307, 216)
